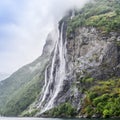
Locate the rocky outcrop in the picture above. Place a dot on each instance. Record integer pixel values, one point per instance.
(93, 54)
(89, 54)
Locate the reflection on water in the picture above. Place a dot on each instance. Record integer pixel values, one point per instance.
(14, 118)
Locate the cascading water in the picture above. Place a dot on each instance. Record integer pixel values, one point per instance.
(45, 90)
(53, 83)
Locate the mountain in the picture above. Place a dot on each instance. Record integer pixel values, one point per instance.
(23, 86)
(79, 75)
(3, 76)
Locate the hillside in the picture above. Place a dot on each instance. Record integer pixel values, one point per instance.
(19, 90)
(3, 76)
(79, 75)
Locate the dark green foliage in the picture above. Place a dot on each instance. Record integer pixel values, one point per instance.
(31, 113)
(103, 99)
(103, 14)
(23, 98)
(63, 110)
(85, 83)
(22, 88)
(87, 80)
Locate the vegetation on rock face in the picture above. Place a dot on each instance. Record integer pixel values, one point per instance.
(63, 110)
(103, 99)
(103, 14)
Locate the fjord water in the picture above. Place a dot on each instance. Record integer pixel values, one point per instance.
(14, 118)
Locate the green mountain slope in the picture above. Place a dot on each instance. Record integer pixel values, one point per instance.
(22, 88)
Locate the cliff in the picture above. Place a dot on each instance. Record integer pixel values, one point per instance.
(89, 45)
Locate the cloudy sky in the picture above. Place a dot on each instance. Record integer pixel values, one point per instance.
(24, 25)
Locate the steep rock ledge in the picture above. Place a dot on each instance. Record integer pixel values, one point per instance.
(94, 54)
(90, 56)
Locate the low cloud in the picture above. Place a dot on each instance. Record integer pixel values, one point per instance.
(25, 33)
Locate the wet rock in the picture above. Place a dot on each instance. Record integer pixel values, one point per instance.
(88, 54)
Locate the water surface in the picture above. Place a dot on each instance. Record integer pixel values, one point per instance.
(14, 118)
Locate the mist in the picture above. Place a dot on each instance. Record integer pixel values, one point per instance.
(24, 28)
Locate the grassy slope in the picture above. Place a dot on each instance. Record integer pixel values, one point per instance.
(21, 89)
(24, 97)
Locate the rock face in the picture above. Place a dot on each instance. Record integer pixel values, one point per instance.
(86, 53)
(93, 54)
(90, 54)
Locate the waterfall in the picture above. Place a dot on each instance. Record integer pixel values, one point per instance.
(44, 90)
(49, 92)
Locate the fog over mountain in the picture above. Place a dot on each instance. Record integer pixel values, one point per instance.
(24, 27)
